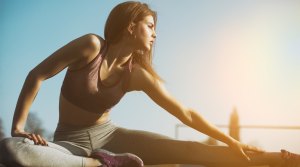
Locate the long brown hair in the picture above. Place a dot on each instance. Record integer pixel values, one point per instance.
(117, 22)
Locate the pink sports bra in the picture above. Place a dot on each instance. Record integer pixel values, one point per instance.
(83, 87)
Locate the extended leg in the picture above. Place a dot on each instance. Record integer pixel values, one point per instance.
(157, 149)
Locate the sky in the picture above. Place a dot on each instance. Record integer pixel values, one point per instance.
(213, 55)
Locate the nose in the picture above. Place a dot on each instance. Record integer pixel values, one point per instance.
(154, 34)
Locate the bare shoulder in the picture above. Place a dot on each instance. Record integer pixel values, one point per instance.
(91, 42)
(88, 45)
(140, 79)
(73, 55)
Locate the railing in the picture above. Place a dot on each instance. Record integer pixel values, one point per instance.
(177, 126)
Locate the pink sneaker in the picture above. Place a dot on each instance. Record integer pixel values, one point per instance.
(291, 159)
(109, 159)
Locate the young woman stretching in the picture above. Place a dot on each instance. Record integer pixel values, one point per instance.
(100, 71)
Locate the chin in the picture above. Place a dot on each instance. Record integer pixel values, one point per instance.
(147, 48)
(144, 49)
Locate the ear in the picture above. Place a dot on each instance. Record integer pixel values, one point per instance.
(131, 28)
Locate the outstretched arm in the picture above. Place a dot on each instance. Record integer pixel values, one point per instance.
(142, 80)
(71, 55)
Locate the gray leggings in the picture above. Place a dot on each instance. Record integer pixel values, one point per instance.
(71, 145)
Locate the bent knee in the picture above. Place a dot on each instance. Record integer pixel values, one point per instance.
(11, 148)
(13, 144)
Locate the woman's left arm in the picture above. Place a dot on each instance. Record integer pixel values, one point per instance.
(156, 91)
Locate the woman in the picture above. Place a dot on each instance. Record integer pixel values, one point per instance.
(99, 73)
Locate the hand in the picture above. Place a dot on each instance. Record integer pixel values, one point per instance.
(36, 138)
(240, 148)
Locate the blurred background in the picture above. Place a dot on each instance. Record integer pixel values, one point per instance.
(215, 56)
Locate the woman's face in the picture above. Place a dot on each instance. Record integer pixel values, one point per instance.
(145, 33)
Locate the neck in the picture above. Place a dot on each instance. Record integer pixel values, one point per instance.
(119, 53)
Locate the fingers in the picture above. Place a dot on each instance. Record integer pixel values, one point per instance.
(239, 149)
(252, 148)
(37, 139)
(34, 138)
(27, 136)
(42, 141)
(242, 153)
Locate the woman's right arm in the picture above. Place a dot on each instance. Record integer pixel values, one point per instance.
(75, 54)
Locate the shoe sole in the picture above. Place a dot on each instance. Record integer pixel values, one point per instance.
(136, 158)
